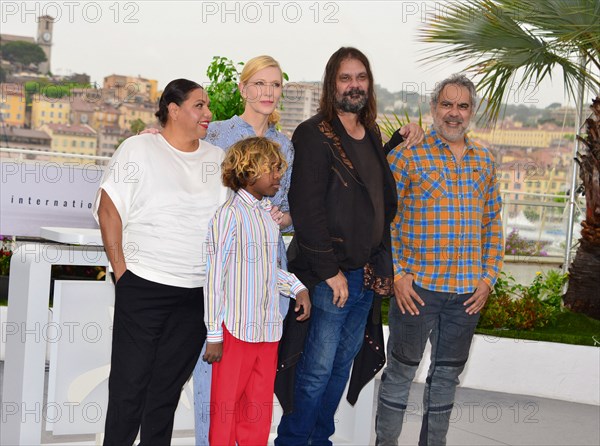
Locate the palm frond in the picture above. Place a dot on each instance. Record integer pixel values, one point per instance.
(503, 40)
(389, 126)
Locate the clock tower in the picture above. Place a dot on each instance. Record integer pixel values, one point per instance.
(44, 40)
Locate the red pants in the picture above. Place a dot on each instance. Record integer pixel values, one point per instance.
(241, 395)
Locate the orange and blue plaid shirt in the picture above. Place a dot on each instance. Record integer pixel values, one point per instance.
(448, 229)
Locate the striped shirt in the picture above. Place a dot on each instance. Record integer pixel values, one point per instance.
(448, 229)
(226, 133)
(243, 281)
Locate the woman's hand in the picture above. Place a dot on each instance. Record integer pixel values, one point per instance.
(150, 130)
(283, 219)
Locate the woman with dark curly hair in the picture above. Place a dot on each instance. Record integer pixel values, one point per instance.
(155, 200)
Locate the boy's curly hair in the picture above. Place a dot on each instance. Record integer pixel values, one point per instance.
(248, 159)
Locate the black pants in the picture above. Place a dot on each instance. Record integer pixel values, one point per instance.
(158, 334)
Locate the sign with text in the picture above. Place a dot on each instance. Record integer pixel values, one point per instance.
(45, 193)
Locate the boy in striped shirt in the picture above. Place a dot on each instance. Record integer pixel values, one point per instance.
(242, 289)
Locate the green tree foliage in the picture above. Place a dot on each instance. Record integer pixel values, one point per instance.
(137, 126)
(44, 89)
(514, 306)
(23, 53)
(47, 90)
(225, 98)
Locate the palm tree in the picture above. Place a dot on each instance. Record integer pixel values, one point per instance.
(503, 39)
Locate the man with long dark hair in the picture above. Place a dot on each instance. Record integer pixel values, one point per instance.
(342, 199)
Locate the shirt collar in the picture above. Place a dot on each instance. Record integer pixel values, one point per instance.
(250, 200)
(237, 120)
(437, 140)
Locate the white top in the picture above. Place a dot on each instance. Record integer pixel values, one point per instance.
(165, 198)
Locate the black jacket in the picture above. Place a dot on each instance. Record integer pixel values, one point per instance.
(331, 208)
(333, 217)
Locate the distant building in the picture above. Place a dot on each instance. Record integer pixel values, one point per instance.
(12, 105)
(131, 112)
(5, 38)
(300, 102)
(105, 115)
(44, 40)
(91, 94)
(74, 139)
(514, 136)
(82, 111)
(45, 110)
(119, 88)
(19, 138)
(79, 78)
(109, 138)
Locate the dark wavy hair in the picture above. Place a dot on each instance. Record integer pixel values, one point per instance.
(176, 91)
(368, 115)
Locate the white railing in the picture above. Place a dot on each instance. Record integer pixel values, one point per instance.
(529, 198)
(48, 153)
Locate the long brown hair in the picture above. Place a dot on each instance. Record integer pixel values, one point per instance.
(368, 115)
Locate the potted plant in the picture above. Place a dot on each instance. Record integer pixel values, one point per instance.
(6, 250)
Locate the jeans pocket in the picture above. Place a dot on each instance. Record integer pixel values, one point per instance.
(322, 297)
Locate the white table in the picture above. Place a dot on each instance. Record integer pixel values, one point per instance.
(29, 290)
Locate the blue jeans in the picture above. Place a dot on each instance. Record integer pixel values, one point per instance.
(334, 337)
(202, 378)
(444, 321)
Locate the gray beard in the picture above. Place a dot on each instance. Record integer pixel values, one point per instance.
(351, 107)
(453, 138)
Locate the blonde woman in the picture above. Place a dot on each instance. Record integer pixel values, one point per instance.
(261, 87)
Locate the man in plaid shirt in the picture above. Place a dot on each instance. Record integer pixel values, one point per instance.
(447, 248)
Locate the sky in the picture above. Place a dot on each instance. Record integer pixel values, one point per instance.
(165, 40)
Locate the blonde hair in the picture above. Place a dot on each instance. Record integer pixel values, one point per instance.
(252, 67)
(248, 159)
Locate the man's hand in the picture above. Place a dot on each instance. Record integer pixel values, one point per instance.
(413, 134)
(339, 285)
(214, 352)
(406, 296)
(303, 301)
(477, 301)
